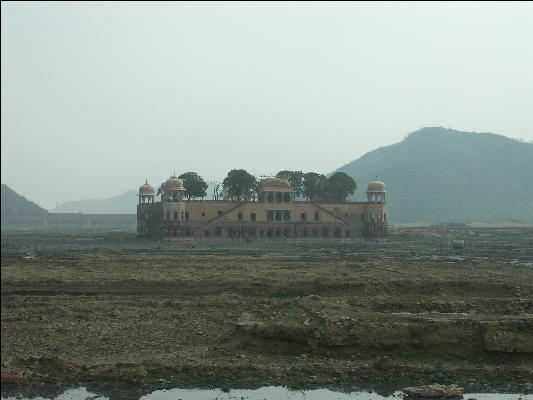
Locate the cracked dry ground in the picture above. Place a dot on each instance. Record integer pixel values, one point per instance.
(97, 306)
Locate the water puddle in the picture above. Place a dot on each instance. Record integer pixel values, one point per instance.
(265, 393)
(522, 263)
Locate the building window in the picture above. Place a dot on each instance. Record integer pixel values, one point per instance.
(251, 232)
(253, 217)
(324, 232)
(203, 214)
(286, 197)
(146, 215)
(317, 216)
(206, 233)
(187, 215)
(270, 197)
(270, 216)
(278, 215)
(286, 216)
(303, 217)
(168, 215)
(219, 213)
(182, 215)
(239, 216)
(385, 217)
(347, 234)
(345, 215)
(175, 215)
(218, 231)
(314, 232)
(371, 216)
(362, 217)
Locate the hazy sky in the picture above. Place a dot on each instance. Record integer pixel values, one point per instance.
(96, 97)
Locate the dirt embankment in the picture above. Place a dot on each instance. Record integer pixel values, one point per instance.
(242, 314)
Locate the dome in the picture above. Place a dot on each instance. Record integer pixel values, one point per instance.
(146, 189)
(275, 183)
(376, 186)
(174, 183)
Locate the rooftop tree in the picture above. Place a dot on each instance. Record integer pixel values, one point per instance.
(340, 185)
(240, 183)
(194, 185)
(295, 178)
(314, 186)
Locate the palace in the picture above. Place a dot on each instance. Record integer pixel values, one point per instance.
(274, 215)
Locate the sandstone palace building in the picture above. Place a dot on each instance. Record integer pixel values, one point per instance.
(275, 214)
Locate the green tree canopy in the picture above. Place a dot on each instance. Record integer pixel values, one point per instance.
(194, 185)
(314, 186)
(340, 185)
(240, 183)
(295, 178)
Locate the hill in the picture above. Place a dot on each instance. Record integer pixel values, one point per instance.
(125, 203)
(443, 175)
(15, 204)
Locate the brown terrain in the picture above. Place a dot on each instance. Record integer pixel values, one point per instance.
(106, 308)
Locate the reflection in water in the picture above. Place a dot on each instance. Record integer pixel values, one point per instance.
(265, 393)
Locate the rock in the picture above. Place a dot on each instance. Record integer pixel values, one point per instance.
(245, 317)
(434, 391)
(383, 363)
(498, 340)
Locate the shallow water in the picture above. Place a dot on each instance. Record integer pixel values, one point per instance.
(270, 392)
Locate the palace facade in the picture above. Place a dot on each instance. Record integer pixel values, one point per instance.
(276, 214)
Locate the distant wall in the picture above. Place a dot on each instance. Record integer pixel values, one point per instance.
(70, 221)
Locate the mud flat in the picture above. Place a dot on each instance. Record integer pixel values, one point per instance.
(106, 309)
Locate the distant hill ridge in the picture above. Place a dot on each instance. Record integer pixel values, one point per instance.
(15, 204)
(125, 203)
(444, 175)
(433, 175)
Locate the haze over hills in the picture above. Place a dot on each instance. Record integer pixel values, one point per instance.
(124, 203)
(444, 175)
(433, 175)
(15, 204)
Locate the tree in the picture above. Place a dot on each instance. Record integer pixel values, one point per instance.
(340, 185)
(216, 190)
(240, 183)
(314, 186)
(295, 178)
(194, 185)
